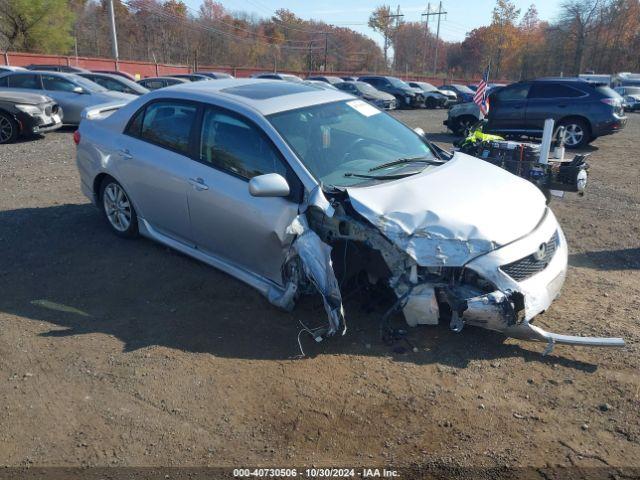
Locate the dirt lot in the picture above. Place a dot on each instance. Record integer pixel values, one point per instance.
(116, 352)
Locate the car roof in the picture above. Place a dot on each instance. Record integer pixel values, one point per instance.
(167, 77)
(67, 75)
(265, 96)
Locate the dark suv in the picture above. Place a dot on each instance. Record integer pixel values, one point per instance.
(587, 110)
(406, 96)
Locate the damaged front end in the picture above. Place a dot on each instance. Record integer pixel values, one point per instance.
(436, 269)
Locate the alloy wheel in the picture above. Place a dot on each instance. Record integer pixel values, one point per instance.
(574, 134)
(6, 129)
(117, 207)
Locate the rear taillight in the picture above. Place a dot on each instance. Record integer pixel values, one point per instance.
(76, 137)
(614, 102)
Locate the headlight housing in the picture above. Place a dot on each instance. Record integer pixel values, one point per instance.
(32, 110)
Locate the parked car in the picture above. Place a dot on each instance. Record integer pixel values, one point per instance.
(155, 83)
(120, 73)
(433, 98)
(263, 179)
(587, 110)
(463, 93)
(369, 93)
(11, 68)
(473, 87)
(216, 75)
(26, 114)
(631, 97)
(72, 92)
(406, 96)
(461, 117)
(349, 79)
(278, 76)
(115, 83)
(192, 77)
(326, 78)
(56, 68)
(319, 84)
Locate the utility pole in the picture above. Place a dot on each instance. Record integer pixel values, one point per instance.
(326, 49)
(426, 36)
(435, 54)
(397, 16)
(114, 35)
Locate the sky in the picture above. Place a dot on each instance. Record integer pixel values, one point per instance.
(462, 15)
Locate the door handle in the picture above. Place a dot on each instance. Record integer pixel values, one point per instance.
(198, 184)
(124, 153)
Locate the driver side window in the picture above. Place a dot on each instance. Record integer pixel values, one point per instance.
(517, 92)
(236, 146)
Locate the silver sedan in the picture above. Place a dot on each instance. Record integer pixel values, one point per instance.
(72, 92)
(273, 182)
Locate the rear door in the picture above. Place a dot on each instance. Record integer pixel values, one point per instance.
(507, 108)
(551, 100)
(227, 221)
(154, 161)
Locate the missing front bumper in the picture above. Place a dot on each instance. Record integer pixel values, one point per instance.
(504, 312)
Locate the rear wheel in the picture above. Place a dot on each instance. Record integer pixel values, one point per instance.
(577, 133)
(8, 128)
(118, 209)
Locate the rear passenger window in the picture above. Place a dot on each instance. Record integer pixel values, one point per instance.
(24, 81)
(236, 146)
(550, 90)
(169, 125)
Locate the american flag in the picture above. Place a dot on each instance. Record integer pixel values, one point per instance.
(480, 98)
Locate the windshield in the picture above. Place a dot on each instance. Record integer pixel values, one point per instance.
(396, 82)
(427, 87)
(88, 84)
(463, 88)
(364, 87)
(348, 137)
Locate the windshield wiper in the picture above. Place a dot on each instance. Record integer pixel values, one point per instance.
(380, 177)
(402, 161)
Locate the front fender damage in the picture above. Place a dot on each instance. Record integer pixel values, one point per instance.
(314, 256)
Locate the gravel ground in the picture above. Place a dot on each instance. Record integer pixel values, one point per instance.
(125, 353)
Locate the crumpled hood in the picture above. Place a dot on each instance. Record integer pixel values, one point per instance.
(449, 214)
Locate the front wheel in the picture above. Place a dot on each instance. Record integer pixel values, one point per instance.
(118, 209)
(577, 133)
(431, 103)
(462, 126)
(8, 129)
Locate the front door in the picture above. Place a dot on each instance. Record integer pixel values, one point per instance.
(226, 220)
(507, 108)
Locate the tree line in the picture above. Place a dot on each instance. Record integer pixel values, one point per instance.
(602, 36)
(598, 35)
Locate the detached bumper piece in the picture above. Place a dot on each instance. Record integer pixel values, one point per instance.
(503, 313)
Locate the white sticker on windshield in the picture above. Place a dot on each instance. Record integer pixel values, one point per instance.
(363, 108)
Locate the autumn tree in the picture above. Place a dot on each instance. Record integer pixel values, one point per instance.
(382, 21)
(36, 25)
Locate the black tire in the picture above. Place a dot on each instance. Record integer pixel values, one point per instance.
(116, 209)
(578, 133)
(431, 103)
(8, 128)
(463, 124)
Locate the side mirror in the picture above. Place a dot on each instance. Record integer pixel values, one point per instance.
(79, 90)
(269, 185)
(419, 131)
